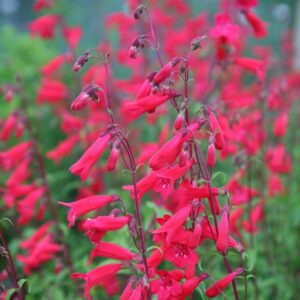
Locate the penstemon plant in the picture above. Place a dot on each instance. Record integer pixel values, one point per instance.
(153, 197)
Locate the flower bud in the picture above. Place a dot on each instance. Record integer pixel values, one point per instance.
(113, 156)
(81, 61)
(179, 121)
(211, 156)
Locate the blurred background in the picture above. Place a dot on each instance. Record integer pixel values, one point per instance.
(18, 13)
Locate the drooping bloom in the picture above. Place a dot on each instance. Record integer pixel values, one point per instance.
(44, 26)
(258, 67)
(72, 35)
(219, 141)
(26, 206)
(51, 91)
(12, 123)
(211, 156)
(20, 174)
(64, 148)
(86, 205)
(223, 283)
(169, 152)
(36, 236)
(83, 166)
(280, 124)
(40, 4)
(165, 71)
(223, 236)
(54, 65)
(11, 157)
(97, 227)
(110, 250)
(89, 92)
(133, 109)
(259, 26)
(97, 276)
(42, 252)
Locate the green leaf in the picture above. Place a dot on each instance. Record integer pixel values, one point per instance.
(10, 293)
(24, 283)
(7, 220)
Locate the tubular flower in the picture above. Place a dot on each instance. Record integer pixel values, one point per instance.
(51, 91)
(43, 251)
(64, 148)
(12, 123)
(223, 236)
(54, 65)
(146, 87)
(40, 4)
(83, 166)
(165, 71)
(44, 26)
(216, 129)
(97, 227)
(97, 276)
(11, 157)
(109, 250)
(72, 35)
(176, 221)
(133, 109)
(252, 65)
(259, 26)
(20, 174)
(169, 152)
(89, 92)
(223, 283)
(165, 286)
(86, 205)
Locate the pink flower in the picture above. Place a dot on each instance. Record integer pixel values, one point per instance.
(44, 26)
(89, 92)
(165, 286)
(133, 109)
(165, 71)
(223, 236)
(113, 251)
(41, 4)
(96, 228)
(83, 166)
(97, 276)
(72, 35)
(86, 205)
(63, 149)
(52, 91)
(221, 284)
(259, 27)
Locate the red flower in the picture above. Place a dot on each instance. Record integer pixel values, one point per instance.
(165, 286)
(89, 92)
(133, 109)
(52, 91)
(20, 174)
(40, 4)
(26, 207)
(259, 27)
(72, 35)
(44, 26)
(42, 252)
(252, 65)
(83, 166)
(11, 123)
(169, 152)
(223, 236)
(86, 205)
(54, 64)
(165, 71)
(64, 148)
(97, 227)
(109, 250)
(220, 285)
(12, 157)
(97, 276)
